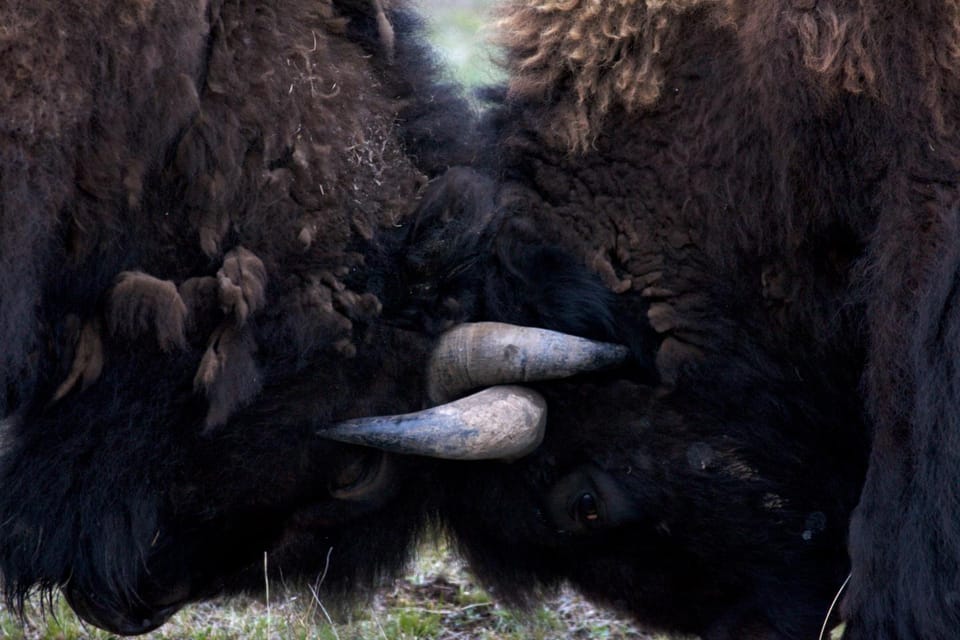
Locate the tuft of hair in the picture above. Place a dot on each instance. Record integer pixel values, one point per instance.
(87, 359)
(243, 284)
(385, 30)
(140, 303)
(228, 374)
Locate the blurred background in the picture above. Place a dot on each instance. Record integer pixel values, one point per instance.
(458, 30)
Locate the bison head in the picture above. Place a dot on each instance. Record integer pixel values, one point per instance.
(700, 480)
(716, 506)
(124, 494)
(138, 510)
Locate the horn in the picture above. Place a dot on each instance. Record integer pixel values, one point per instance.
(502, 422)
(481, 354)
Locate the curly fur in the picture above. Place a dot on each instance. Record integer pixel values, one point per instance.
(603, 55)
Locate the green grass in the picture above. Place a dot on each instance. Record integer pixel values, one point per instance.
(437, 599)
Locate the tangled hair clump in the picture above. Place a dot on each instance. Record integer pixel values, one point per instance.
(587, 57)
(836, 46)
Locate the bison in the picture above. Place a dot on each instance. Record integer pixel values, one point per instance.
(187, 190)
(768, 191)
(702, 488)
(192, 298)
(211, 264)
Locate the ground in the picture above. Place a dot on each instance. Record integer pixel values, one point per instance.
(436, 600)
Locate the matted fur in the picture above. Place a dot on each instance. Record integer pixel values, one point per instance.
(330, 142)
(141, 304)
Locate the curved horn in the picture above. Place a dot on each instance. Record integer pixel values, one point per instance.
(486, 353)
(496, 423)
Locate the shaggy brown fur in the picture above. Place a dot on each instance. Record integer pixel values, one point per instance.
(784, 172)
(603, 55)
(782, 69)
(214, 171)
(189, 193)
(71, 164)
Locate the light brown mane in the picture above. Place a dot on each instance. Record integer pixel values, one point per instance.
(585, 58)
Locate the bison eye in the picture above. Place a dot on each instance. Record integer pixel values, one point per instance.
(589, 500)
(585, 509)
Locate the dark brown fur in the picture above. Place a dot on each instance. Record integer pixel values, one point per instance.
(786, 173)
(189, 191)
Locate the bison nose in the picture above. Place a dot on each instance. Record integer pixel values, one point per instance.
(130, 622)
